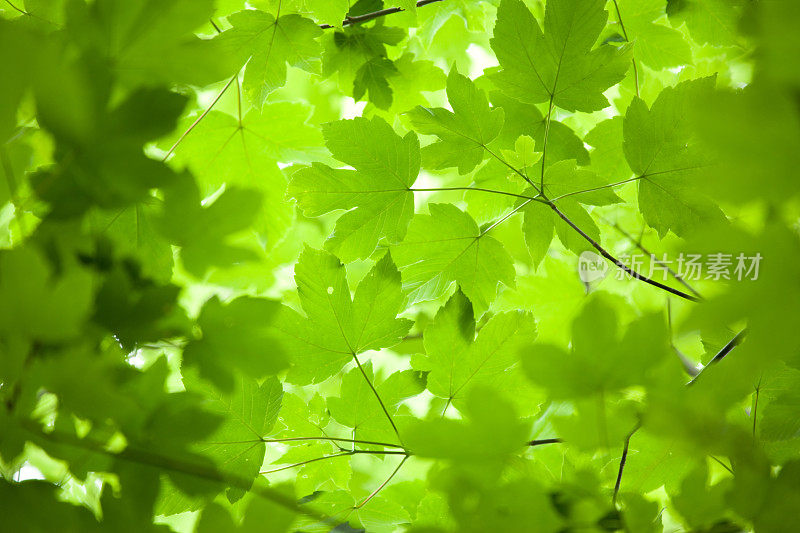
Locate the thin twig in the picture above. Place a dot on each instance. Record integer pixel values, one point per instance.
(540, 442)
(622, 461)
(755, 408)
(17, 8)
(359, 19)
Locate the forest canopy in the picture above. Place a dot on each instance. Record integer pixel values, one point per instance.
(397, 266)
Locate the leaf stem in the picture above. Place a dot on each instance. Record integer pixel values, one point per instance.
(755, 408)
(378, 397)
(386, 482)
(332, 439)
(335, 455)
(200, 118)
(601, 187)
(516, 170)
(478, 189)
(308, 461)
(546, 134)
(20, 10)
(506, 217)
(625, 35)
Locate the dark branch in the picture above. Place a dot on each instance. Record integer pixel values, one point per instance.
(619, 263)
(733, 343)
(640, 246)
(359, 19)
(540, 442)
(155, 460)
(622, 461)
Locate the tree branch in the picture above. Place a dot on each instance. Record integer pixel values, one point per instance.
(622, 461)
(619, 263)
(359, 19)
(640, 246)
(155, 460)
(540, 442)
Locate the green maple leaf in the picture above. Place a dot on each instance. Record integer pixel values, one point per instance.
(223, 151)
(204, 231)
(153, 41)
(99, 145)
(331, 12)
(40, 305)
(316, 475)
(247, 414)
(18, 498)
(373, 77)
(376, 192)
(457, 361)
(338, 327)
(464, 132)
(600, 359)
(270, 44)
(557, 64)
(236, 336)
(658, 46)
(347, 50)
(664, 154)
(414, 77)
(488, 436)
(709, 21)
(446, 247)
(608, 157)
(521, 118)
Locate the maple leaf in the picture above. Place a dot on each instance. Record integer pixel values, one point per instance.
(556, 62)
